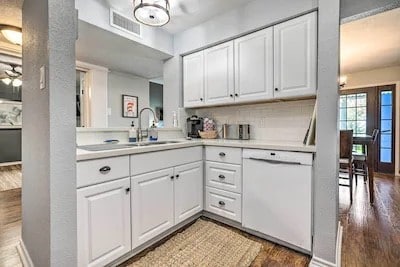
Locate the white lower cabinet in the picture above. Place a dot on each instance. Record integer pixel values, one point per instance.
(103, 222)
(152, 205)
(224, 203)
(188, 190)
(161, 199)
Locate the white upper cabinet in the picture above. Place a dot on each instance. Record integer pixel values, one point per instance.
(295, 57)
(218, 74)
(188, 190)
(104, 222)
(193, 79)
(254, 66)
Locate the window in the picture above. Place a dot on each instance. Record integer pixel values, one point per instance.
(386, 111)
(353, 114)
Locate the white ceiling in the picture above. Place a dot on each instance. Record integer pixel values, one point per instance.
(185, 13)
(100, 47)
(370, 43)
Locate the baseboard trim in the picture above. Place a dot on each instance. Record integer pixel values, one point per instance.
(24, 255)
(318, 262)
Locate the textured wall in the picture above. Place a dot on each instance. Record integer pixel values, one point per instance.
(122, 83)
(326, 162)
(48, 135)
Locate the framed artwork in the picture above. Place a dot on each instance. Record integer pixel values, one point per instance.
(129, 106)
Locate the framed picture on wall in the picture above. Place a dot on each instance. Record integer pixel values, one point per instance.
(129, 106)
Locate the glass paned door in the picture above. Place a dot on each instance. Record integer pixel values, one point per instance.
(385, 120)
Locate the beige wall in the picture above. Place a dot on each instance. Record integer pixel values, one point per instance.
(381, 76)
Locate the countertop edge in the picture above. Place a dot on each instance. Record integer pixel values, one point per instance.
(88, 155)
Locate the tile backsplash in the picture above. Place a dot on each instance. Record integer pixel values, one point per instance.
(277, 121)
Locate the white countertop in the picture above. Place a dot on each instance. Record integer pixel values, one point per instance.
(257, 144)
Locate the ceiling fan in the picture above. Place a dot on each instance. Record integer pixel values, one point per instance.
(11, 74)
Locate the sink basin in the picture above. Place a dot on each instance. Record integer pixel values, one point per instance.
(102, 147)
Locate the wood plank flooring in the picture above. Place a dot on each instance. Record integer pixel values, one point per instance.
(371, 234)
(10, 177)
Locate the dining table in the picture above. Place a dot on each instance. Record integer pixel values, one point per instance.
(367, 141)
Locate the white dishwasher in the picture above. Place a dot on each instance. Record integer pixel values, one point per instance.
(277, 195)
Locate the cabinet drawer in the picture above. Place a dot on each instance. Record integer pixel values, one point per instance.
(148, 162)
(101, 170)
(224, 154)
(223, 203)
(224, 176)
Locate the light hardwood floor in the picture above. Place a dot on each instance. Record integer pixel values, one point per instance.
(10, 177)
(371, 234)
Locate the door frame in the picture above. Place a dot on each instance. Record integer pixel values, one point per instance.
(397, 115)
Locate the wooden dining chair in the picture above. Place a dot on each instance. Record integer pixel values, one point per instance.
(360, 165)
(346, 159)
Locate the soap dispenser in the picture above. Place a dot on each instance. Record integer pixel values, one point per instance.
(153, 134)
(132, 133)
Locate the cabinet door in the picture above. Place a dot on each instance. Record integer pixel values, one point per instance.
(193, 79)
(295, 57)
(104, 232)
(152, 205)
(254, 66)
(188, 190)
(218, 77)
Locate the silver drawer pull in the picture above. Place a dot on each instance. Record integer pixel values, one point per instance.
(221, 176)
(222, 154)
(105, 169)
(221, 203)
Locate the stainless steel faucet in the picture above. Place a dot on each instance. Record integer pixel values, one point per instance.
(139, 132)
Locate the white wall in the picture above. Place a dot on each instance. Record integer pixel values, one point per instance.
(97, 12)
(123, 83)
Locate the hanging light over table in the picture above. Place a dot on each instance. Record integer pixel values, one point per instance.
(12, 34)
(151, 12)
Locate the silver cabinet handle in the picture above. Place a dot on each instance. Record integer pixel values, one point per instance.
(221, 203)
(272, 161)
(105, 169)
(221, 176)
(172, 177)
(222, 154)
(127, 190)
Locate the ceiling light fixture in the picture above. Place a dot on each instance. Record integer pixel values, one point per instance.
(151, 12)
(12, 34)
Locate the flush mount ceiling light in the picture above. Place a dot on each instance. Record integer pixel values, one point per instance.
(12, 34)
(151, 12)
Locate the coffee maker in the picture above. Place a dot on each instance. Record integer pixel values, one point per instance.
(194, 125)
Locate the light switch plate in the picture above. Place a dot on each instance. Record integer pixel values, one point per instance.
(42, 77)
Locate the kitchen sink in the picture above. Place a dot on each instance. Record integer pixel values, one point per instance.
(102, 147)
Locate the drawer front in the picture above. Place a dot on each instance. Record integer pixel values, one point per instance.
(224, 154)
(224, 176)
(101, 170)
(154, 161)
(223, 203)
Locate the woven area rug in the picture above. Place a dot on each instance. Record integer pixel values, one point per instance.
(203, 244)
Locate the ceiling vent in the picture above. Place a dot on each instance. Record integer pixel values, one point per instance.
(121, 22)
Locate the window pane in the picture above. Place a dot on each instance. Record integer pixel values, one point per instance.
(361, 127)
(351, 125)
(386, 126)
(361, 100)
(362, 114)
(343, 125)
(386, 141)
(351, 100)
(386, 112)
(343, 115)
(342, 101)
(386, 155)
(386, 98)
(351, 114)
(358, 149)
